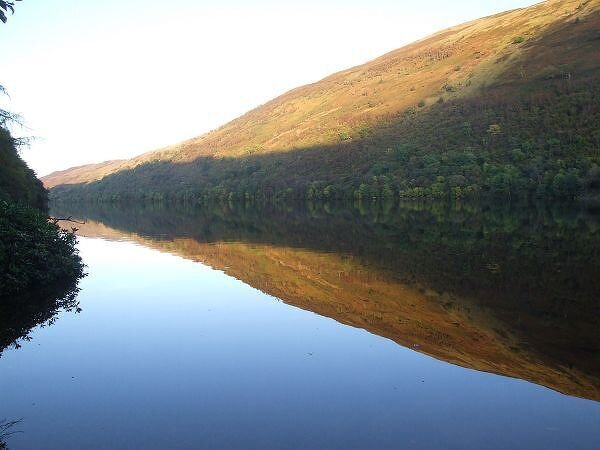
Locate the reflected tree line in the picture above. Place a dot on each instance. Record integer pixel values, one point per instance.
(551, 253)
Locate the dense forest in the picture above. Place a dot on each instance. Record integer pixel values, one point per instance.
(481, 110)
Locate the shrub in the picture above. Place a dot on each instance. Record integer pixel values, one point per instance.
(39, 272)
(34, 252)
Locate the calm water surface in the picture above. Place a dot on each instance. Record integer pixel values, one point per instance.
(217, 331)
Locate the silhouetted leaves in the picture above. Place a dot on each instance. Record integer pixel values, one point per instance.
(6, 6)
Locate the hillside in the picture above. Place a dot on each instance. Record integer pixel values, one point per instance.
(18, 182)
(505, 105)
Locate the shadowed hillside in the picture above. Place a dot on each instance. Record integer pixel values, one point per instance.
(505, 105)
(507, 291)
(18, 182)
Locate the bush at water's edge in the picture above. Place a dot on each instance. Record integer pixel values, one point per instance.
(34, 252)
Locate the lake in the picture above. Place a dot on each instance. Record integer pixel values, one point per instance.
(238, 327)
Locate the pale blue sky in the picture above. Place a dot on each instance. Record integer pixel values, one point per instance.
(98, 80)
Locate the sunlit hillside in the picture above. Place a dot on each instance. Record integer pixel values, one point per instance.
(518, 90)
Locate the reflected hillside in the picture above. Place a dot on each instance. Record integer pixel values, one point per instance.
(509, 291)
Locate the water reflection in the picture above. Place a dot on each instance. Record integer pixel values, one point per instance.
(22, 312)
(510, 291)
(7, 430)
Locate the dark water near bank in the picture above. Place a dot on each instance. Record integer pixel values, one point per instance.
(320, 328)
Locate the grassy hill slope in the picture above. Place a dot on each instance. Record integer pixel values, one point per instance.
(506, 104)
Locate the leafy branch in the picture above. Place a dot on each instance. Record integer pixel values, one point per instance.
(6, 6)
(66, 219)
(8, 118)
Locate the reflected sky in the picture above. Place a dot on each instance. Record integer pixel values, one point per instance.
(168, 353)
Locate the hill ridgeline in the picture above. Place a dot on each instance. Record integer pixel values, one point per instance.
(503, 106)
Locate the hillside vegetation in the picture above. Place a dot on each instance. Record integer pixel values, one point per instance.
(506, 106)
(39, 263)
(18, 182)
